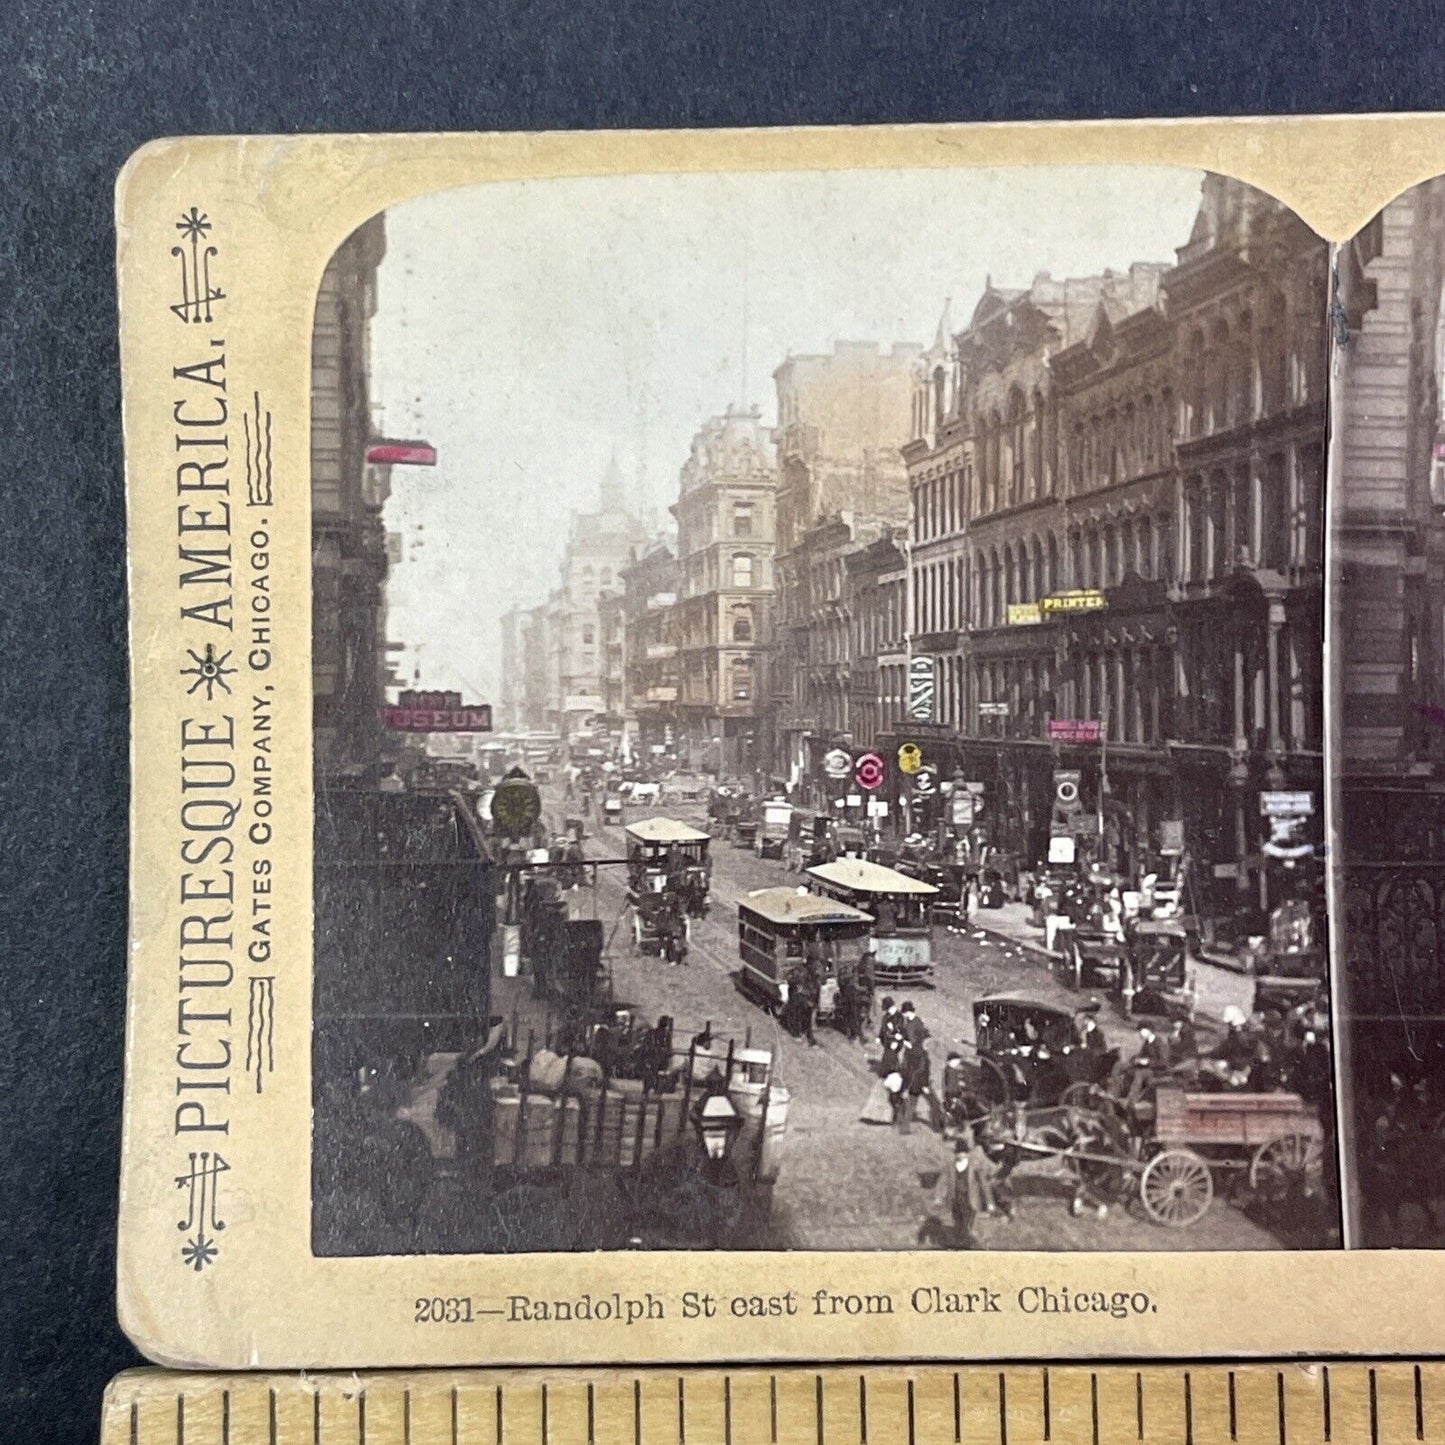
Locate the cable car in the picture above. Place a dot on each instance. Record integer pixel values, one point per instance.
(900, 906)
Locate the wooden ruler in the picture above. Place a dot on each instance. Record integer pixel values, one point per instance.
(1295, 1403)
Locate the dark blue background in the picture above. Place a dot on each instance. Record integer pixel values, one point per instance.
(81, 92)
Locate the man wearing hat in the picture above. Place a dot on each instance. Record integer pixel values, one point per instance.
(1088, 1036)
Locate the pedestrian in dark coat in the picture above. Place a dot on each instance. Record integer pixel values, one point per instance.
(890, 1036)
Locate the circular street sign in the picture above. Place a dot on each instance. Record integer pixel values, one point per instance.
(868, 769)
(516, 804)
(1067, 792)
(910, 757)
(924, 780)
(837, 763)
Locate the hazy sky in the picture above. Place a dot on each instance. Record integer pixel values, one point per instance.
(530, 330)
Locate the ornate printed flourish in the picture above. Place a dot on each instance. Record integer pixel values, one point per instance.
(202, 1223)
(198, 296)
(260, 1028)
(210, 671)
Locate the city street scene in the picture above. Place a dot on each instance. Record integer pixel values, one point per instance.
(819, 712)
(1388, 534)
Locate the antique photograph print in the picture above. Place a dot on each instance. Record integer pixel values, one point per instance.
(819, 707)
(1388, 537)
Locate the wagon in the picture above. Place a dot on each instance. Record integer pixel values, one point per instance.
(1277, 1138)
(1274, 1140)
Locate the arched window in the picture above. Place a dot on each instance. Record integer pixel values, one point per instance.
(742, 624)
(742, 570)
(1051, 581)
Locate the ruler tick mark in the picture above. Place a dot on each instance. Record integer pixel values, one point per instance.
(1138, 1404)
(180, 1420)
(134, 1422)
(818, 1404)
(361, 1417)
(681, 1413)
(727, 1411)
(1188, 1409)
(912, 1438)
(591, 1414)
(1325, 1400)
(1094, 1407)
(637, 1412)
(225, 1417)
(1002, 1409)
(456, 1422)
(863, 1408)
(1374, 1412)
(1048, 1424)
(957, 1410)
(1279, 1398)
(499, 1415)
(316, 1416)
(544, 1412)
(406, 1417)
(271, 1417)
(1419, 1406)
(1233, 1410)
(773, 1407)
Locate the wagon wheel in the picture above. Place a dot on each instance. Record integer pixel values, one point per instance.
(1290, 1166)
(1176, 1188)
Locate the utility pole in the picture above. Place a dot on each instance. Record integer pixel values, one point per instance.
(905, 792)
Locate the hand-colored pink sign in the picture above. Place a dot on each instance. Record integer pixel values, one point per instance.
(868, 769)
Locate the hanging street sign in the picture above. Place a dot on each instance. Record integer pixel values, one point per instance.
(1074, 730)
(910, 758)
(837, 763)
(1079, 601)
(868, 770)
(1024, 614)
(1287, 805)
(920, 689)
(437, 712)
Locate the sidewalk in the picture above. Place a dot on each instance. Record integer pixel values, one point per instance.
(1221, 980)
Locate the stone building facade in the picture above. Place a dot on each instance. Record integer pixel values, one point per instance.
(1117, 488)
(843, 418)
(650, 649)
(349, 549)
(725, 520)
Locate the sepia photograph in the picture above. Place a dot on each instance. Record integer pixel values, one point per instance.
(818, 715)
(1388, 638)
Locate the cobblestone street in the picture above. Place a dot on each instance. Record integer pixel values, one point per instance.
(846, 1184)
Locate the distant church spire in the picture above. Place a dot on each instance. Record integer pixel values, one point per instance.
(944, 334)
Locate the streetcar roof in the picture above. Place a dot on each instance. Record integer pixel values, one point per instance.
(664, 830)
(794, 905)
(862, 876)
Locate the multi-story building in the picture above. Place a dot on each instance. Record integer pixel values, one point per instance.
(1248, 306)
(599, 544)
(538, 706)
(649, 606)
(612, 638)
(1116, 545)
(1388, 661)
(349, 549)
(842, 419)
(507, 715)
(724, 514)
(875, 587)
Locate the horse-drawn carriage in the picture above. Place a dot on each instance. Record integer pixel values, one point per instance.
(1144, 962)
(668, 877)
(1042, 1101)
(1292, 965)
